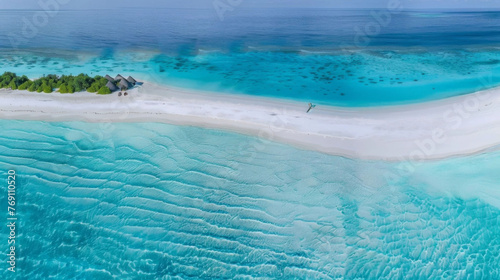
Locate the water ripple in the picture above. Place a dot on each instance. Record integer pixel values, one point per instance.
(155, 201)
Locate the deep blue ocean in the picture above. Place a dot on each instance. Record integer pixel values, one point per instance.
(157, 201)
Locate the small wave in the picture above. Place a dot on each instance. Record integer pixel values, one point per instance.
(203, 51)
(316, 52)
(430, 15)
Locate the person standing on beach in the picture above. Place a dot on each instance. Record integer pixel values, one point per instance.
(310, 107)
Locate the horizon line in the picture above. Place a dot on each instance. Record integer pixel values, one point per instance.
(273, 8)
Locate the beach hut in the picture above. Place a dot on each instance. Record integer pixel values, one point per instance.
(124, 84)
(109, 78)
(131, 80)
(112, 86)
(119, 77)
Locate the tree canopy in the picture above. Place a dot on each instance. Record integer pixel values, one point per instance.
(104, 90)
(49, 83)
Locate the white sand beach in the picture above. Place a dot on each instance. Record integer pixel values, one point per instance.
(456, 126)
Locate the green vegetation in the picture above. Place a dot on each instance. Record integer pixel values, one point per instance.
(104, 90)
(32, 87)
(49, 83)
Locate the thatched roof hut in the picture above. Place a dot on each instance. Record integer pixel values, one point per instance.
(109, 78)
(124, 84)
(131, 80)
(112, 86)
(119, 77)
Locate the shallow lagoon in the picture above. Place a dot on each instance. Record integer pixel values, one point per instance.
(358, 79)
(150, 200)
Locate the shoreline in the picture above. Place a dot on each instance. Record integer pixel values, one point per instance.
(455, 126)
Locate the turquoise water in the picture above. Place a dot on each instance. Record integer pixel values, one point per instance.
(358, 79)
(155, 201)
(312, 55)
